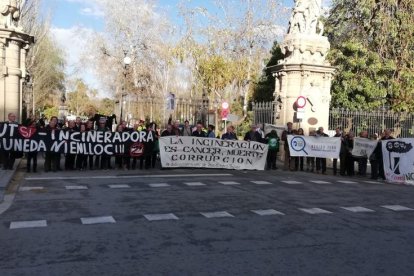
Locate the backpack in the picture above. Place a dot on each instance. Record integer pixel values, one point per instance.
(273, 143)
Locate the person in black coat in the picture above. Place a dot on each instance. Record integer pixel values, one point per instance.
(253, 135)
(199, 132)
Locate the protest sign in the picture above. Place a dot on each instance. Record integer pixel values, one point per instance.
(398, 160)
(363, 147)
(197, 152)
(314, 146)
(19, 138)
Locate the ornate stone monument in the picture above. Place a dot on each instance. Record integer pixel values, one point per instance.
(304, 70)
(14, 44)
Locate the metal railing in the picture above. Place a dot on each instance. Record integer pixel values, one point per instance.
(400, 123)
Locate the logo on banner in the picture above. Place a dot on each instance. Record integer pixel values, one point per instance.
(397, 147)
(136, 149)
(298, 144)
(27, 132)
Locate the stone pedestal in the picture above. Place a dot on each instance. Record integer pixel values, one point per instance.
(303, 72)
(14, 44)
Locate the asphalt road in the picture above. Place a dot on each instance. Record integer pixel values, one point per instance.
(127, 239)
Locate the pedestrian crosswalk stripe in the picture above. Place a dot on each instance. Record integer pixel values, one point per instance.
(76, 187)
(158, 185)
(98, 220)
(314, 211)
(261, 182)
(119, 186)
(397, 208)
(194, 184)
(267, 212)
(373, 182)
(229, 183)
(358, 209)
(320, 182)
(152, 217)
(25, 189)
(347, 182)
(219, 214)
(28, 224)
(291, 182)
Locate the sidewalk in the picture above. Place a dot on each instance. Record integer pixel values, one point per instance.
(5, 178)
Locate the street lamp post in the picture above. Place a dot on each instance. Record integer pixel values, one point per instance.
(127, 62)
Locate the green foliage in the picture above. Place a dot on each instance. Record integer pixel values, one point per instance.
(51, 111)
(263, 90)
(215, 72)
(79, 101)
(372, 47)
(106, 106)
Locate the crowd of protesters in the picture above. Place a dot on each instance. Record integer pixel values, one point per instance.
(148, 160)
(347, 161)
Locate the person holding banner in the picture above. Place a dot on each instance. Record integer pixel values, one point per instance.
(310, 160)
(8, 157)
(386, 136)
(253, 135)
(349, 145)
(338, 133)
(273, 142)
(31, 156)
(373, 160)
(199, 132)
(168, 131)
(230, 134)
(288, 164)
(52, 159)
(321, 162)
(299, 160)
(363, 160)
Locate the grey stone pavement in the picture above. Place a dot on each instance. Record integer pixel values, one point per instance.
(206, 222)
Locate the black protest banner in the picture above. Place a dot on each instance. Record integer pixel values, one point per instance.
(19, 138)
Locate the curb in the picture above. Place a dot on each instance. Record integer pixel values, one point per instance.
(5, 180)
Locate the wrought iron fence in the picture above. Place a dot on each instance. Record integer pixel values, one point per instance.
(155, 109)
(401, 123)
(263, 113)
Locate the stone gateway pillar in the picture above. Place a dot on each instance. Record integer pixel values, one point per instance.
(304, 70)
(14, 44)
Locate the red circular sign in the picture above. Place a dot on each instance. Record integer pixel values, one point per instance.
(301, 102)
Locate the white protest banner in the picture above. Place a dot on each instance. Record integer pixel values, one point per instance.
(194, 152)
(314, 146)
(398, 160)
(363, 147)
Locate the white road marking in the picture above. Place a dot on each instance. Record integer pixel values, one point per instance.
(397, 208)
(119, 186)
(28, 224)
(267, 212)
(358, 209)
(373, 182)
(314, 211)
(194, 184)
(229, 182)
(292, 182)
(76, 187)
(25, 189)
(261, 182)
(219, 214)
(347, 182)
(152, 217)
(320, 182)
(128, 176)
(158, 185)
(98, 220)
